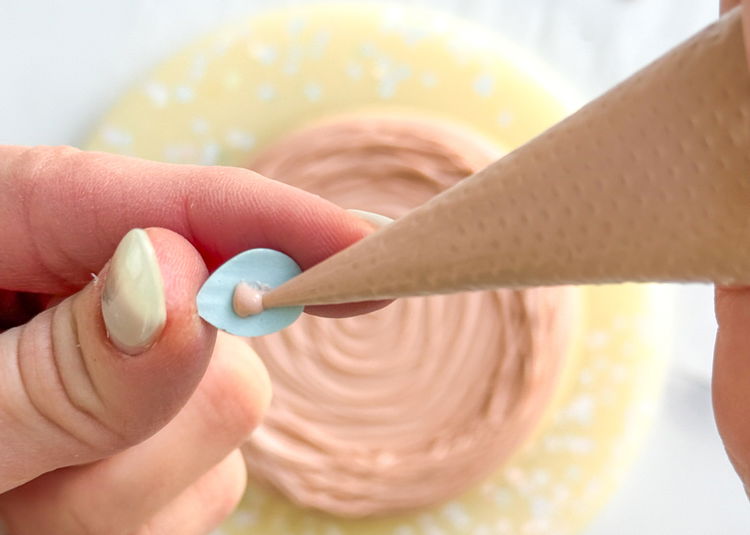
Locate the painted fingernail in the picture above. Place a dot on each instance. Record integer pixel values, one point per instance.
(371, 217)
(133, 303)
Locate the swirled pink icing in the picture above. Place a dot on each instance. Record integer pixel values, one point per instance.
(410, 405)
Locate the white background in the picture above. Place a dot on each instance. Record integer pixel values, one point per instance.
(64, 63)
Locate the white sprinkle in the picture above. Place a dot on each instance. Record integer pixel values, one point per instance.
(116, 137)
(199, 126)
(456, 514)
(387, 87)
(483, 85)
(292, 63)
(319, 43)
(540, 507)
(367, 49)
(313, 92)
(245, 518)
(580, 410)
(198, 67)
(177, 153)
(504, 118)
(184, 93)
(266, 91)
(403, 529)
(210, 154)
(295, 25)
(412, 36)
(354, 70)
(239, 139)
(158, 94)
(266, 54)
(429, 79)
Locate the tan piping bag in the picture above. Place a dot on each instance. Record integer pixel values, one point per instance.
(650, 182)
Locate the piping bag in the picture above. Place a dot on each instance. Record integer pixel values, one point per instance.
(649, 182)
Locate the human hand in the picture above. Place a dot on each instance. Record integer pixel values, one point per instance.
(135, 432)
(731, 374)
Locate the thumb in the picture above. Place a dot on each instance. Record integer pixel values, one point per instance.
(731, 376)
(107, 367)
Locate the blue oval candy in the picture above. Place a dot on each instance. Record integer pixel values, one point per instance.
(261, 268)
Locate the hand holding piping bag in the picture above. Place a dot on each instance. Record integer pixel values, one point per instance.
(120, 409)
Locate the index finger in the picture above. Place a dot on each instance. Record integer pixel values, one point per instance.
(63, 211)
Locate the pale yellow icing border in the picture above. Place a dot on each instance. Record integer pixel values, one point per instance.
(235, 91)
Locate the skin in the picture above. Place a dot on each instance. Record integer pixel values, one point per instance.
(117, 463)
(97, 441)
(731, 371)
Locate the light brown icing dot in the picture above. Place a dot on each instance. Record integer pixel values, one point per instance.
(247, 300)
(410, 405)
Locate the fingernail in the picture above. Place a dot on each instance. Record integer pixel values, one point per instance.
(371, 217)
(133, 303)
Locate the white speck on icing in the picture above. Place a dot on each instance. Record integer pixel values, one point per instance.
(428, 525)
(503, 527)
(412, 36)
(266, 54)
(116, 137)
(180, 153)
(504, 118)
(319, 43)
(184, 93)
(580, 410)
(157, 93)
(456, 515)
(199, 126)
(239, 139)
(266, 91)
(387, 88)
(483, 85)
(210, 154)
(354, 70)
(295, 26)
(403, 529)
(198, 67)
(313, 92)
(293, 60)
(429, 79)
(390, 76)
(245, 518)
(332, 529)
(597, 339)
(367, 49)
(501, 497)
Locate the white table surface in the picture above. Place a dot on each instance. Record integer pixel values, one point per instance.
(63, 64)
